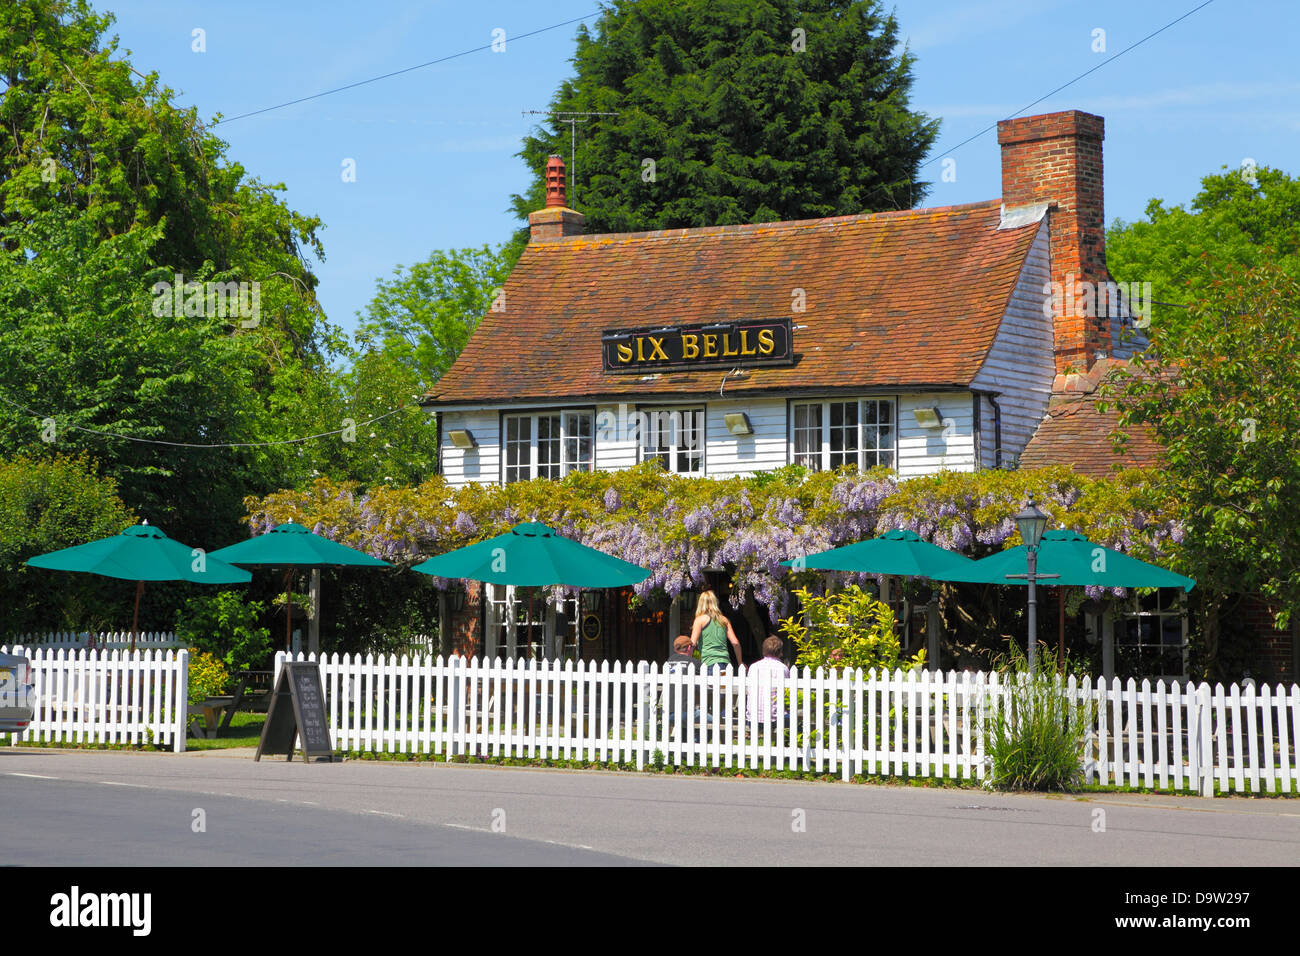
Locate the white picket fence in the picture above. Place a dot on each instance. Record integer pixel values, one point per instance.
(107, 640)
(108, 696)
(840, 723)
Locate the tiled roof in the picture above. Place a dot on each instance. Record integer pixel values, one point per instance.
(909, 298)
(1075, 433)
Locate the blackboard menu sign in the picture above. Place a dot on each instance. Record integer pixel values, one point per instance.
(297, 710)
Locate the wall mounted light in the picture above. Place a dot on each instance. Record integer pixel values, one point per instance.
(456, 599)
(462, 438)
(738, 423)
(928, 417)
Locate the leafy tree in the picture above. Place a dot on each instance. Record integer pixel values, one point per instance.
(226, 626)
(1222, 394)
(49, 502)
(106, 189)
(750, 112)
(424, 315)
(383, 435)
(1248, 217)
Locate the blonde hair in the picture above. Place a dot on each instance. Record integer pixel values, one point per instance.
(708, 604)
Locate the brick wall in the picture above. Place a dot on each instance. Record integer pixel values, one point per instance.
(1273, 658)
(467, 623)
(1056, 158)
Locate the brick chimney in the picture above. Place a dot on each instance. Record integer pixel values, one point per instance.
(1056, 159)
(556, 220)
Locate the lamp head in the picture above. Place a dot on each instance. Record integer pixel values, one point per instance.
(1031, 523)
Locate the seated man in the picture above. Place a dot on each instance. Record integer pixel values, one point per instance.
(680, 661)
(680, 656)
(763, 675)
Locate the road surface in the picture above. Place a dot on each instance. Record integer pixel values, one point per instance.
(121, 808)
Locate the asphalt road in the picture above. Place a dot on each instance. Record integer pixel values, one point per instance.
(100, 808)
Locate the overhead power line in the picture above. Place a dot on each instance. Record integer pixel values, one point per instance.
(1105, 62)
(409, 69)
(185, 444)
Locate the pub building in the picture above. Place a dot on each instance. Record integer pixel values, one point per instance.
(919, 339)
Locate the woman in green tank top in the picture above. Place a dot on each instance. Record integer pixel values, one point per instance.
(711, 633)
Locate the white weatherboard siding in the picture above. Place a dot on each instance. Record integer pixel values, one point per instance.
(1020, 365)
(616, 437)
(482, 465)
(727, 454)
(924, 451)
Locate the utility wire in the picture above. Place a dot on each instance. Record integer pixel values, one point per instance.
(1105, 62)
(409, 69)
(184, 444)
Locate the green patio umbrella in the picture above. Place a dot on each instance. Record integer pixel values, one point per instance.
(291, 546)
(900, 552)
(532, 555)
(1076, 561)
(142, 553)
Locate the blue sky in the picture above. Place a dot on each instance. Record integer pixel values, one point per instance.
(434, 148)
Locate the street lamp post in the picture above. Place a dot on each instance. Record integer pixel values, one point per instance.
(1031, 522)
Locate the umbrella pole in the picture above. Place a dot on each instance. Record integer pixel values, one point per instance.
(1060, 637)
(288, 606)
(135, 620)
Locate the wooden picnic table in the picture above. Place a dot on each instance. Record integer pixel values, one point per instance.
(248, 687)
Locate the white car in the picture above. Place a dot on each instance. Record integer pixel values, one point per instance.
(17, 695)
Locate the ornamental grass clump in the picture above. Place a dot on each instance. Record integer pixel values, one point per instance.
(1035, 740)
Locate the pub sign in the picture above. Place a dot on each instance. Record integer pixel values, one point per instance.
(684, 347)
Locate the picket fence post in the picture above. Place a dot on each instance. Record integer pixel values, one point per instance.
(180, 715)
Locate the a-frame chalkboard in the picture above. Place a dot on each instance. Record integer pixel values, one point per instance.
(297, 709)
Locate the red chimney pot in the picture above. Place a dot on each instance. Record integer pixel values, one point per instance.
(555, 185)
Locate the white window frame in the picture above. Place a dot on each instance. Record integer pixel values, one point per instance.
(564, 462)
(507, 628)
(867, 455)
(651, 421)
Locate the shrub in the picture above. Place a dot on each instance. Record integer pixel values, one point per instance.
(47, 502)
(208, 677)
(849, 628)
(225, 625)
(1036, 739)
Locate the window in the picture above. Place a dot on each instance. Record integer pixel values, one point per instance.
(523, 624)
(1151, 635)
(843, 434)
(547, 445)
(577, 442)
(519, 440)
(877, 433)
(549, 439)
(676, 438)
(808, 436)
(828, 435)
